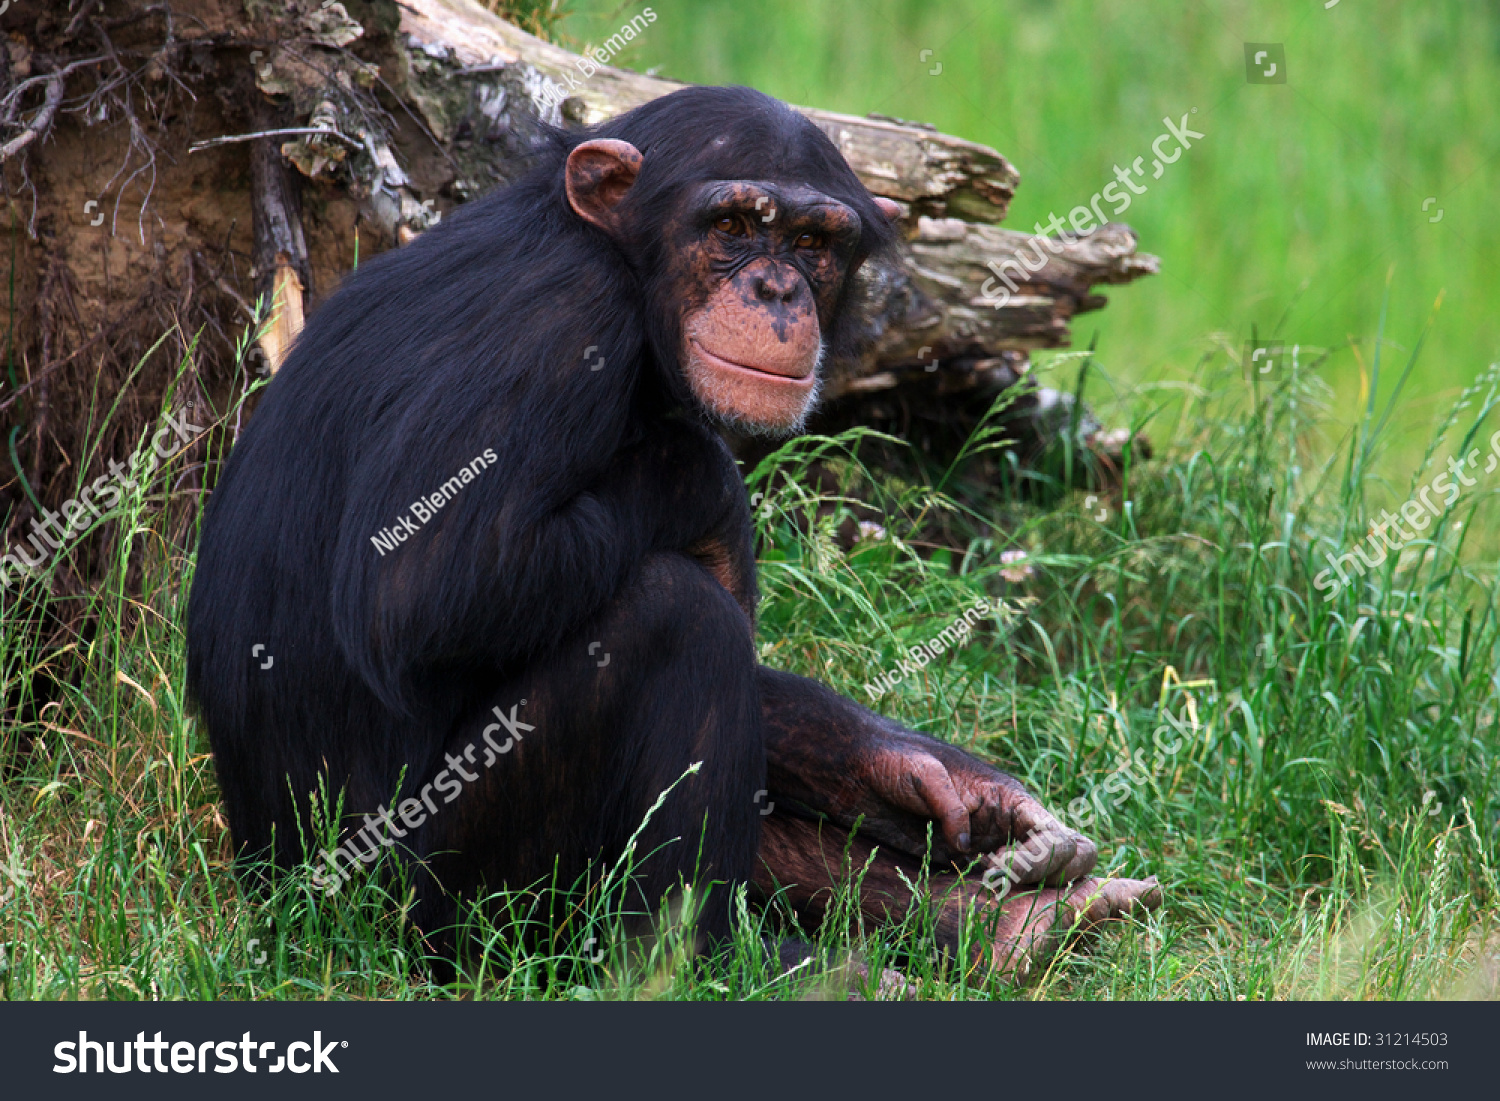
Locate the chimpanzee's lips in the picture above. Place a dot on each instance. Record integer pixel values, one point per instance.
(804, 377)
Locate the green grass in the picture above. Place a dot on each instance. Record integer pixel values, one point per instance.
(1319, 778)
(1286, 217)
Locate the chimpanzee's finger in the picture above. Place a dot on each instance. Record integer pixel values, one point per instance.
(1043, 857)
(1030, 819)
(925, 788)
(1085, 856)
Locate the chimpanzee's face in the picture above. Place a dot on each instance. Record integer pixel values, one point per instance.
(748, 277)
(759, 268)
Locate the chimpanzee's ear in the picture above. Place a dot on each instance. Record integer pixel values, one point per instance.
(598, 175)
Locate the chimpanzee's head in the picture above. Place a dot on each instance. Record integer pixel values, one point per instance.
(745, 227)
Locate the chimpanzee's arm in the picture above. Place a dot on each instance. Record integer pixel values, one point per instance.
(831, 757)
(513, 565)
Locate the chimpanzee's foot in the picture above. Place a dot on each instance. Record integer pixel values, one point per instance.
(1024, 931)
(806, 864)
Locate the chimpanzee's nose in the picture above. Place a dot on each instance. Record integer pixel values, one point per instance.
(778, 286)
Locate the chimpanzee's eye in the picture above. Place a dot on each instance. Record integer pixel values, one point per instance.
(811, 240)
(731, 225)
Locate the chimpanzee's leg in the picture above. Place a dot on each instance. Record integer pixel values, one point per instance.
(567, 758)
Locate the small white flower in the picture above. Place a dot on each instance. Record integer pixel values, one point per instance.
(1017, 568)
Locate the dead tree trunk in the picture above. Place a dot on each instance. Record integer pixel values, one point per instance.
(165, 163)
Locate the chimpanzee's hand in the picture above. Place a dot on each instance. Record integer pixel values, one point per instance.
(843, 762)
(910, 780)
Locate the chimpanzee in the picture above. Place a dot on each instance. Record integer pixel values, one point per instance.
(478, 580)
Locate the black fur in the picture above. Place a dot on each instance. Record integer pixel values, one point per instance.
(474, 339)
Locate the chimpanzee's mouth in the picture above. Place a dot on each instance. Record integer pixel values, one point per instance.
(805, 378)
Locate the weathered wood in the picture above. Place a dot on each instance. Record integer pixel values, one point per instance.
(283, 274)
(944, 302)
(937, 173)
